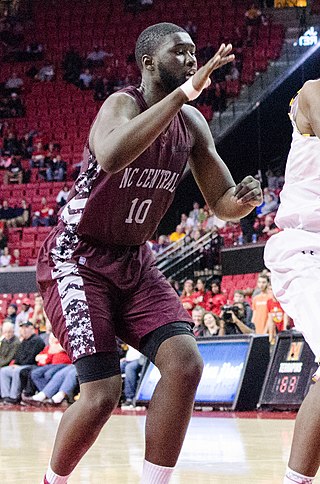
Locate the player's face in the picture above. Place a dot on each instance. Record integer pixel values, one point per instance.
(176, 60)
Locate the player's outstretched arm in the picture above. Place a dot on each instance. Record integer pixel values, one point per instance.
(228, 200)
(309, 106)
(120, 133)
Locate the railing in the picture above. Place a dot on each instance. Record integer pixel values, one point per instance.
(183, 259)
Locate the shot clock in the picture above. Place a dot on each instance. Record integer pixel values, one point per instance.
(290, 371)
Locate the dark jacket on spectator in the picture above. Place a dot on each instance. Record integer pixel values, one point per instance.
(28, 350)
(8, 350)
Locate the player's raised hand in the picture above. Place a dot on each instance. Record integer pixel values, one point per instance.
(221, 57)
(248, 191)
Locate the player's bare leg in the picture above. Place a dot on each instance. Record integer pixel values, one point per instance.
(82, 422)
(305, 451)
(170, 409)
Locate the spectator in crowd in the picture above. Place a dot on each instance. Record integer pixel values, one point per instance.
(34, 51)
(25, 145)
(200, 295)
(187, 296)
(56, 170)
(97, 56)
(38, 156)
(197, 315)
(233, 320)
(16, 106)
(215, 299)
(270, 203)
(50, 360)
(72, 65)
(275, 180)
(11, 313)
(3, 239)
(259, 305)
(239, 297)
(46, 73)
(186, 222)
(9, 343)
(211, 323)
(21, 215)
(85, 79)
(161, 244)
(16, 259)
(61, 385)
(270, 227)
(44, 217)
(194, 213)
(177, 235)
(6, 212)
(38, 318)
(31, 345)
(131, 366)
(277, 320)
(5, 258)
(253, 19)
(14, 172)
(11, 144)
(233, 74)
(24, 315)
(62, 196)
(14, 83)
(247, 226)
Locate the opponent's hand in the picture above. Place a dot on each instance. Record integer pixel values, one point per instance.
(221, 57)
(248, 191)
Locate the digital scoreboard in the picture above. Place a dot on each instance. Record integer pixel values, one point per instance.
(290, 371)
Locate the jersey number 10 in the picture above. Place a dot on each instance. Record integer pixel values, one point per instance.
(138, 212)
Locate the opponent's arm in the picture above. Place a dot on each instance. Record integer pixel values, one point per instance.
(228, 200)
(120, 134)
(309, 106)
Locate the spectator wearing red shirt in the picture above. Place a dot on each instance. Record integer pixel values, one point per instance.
(215, 299)
(187, 296)
(38, 155)
(277, 320)
(200, 296)
(44, 216)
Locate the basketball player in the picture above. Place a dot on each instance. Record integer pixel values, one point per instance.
(293, 256)
(96, 272)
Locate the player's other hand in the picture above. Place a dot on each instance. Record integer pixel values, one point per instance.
(200, 79)
(248, 192)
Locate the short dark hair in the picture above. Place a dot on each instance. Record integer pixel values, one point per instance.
(150, 38)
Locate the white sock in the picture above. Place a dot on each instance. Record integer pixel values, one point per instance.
(292, 477)
(153, 474)
(39, 397)
(58, 397)
(53, 478)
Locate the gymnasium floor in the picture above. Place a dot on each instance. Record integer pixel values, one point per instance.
(220, 448)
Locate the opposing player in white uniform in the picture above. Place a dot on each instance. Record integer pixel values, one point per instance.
(293, 256)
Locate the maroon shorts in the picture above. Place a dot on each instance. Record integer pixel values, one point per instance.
(94, 293)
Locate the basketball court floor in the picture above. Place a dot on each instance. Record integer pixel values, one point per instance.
(220, 448)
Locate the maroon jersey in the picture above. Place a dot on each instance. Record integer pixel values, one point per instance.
(126, 208)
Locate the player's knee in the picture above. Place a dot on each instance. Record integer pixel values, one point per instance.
(102, 396)
(187, 367)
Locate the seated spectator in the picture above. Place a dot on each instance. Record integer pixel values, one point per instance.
(239, 297)
(44, 217)
(211, 323)
(38, 156)
(186, 222)
(26, 143)
(56, 170)
(61, 385)
(9, 343)
(14, 83)
(97, 56)
(233, 320)
(62, 196)
(177, 235)
(38, 317)
(215, 299)
(200, 295)
(11, 144)
(270, 203)
(131, 366)
(11, 313)
(197, 315)
(16, 259)
(31, 345)
(186, 296)
(24, 315)
(46, 73)
(277, 320)
(14, 172)
(162, 243)
(269, 228)
(5, 258)
(194, 213)
(85, 79)
(3, 240)
(6, 212)
(252, 18)
(21, 215)
(15, 105)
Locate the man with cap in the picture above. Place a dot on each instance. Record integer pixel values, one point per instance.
(31, 345)
(24, 315)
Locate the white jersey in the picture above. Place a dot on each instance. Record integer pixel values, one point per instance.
(300, 197)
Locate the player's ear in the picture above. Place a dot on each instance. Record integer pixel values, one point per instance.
(147, 62)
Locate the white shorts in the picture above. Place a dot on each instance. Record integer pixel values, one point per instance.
(293, 257)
